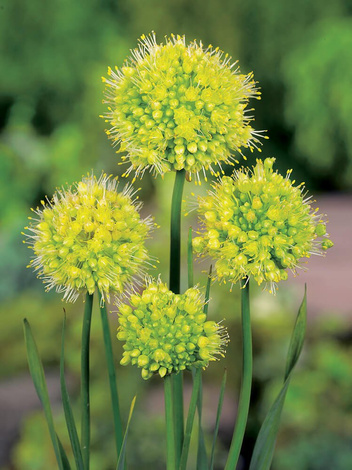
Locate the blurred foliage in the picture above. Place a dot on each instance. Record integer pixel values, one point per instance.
(318, 75)
(322, 451)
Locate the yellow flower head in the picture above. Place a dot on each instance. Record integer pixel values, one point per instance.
(258, 224)
(89, 236)
(166, 333)
(174, 106)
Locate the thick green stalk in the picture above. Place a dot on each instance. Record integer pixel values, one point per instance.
(85, 401)
(175, 274)
(245, 394)
(112, 379)
(175, 232)
(170, 425)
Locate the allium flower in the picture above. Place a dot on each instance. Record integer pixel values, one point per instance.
(257, 224)
(165, 333)
(89, 236)
(174, 107)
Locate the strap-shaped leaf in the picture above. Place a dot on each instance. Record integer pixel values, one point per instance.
(217, 422)
(85, 385)
(122, 457)
(190, 259)
(65, 461)
(38, 377)
(70, 421)
(202, 459)
(207, 291)
(265, 444)
(197, 376)
(112, 377)
(297, 338)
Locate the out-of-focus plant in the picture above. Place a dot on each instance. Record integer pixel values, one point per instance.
(317, 75)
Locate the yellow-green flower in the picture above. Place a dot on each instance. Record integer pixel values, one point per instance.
(166, 333)
(258, 224)
(89, 236)
(174, 106)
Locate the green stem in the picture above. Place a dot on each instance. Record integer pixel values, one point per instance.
(175, 277)
(112, 378)
(190, 259)
(245, 394)
(85, 404)
(170, 425)
(175, 232)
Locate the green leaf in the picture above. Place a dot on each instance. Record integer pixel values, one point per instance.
(217, 422)
(298, 335)
(202, 459)
(65, 462)
(190, 418)
(85, 385)
(70, 421)
(207, 291)
(112, 377)
(265, 444)
(122, 457)
(190, 259)
(38, 377)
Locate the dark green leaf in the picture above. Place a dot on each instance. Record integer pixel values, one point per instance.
(217, 422)
(207, 291)
(65, 462)
(122, 457)
(190, 259)
(70, 421)
(298, 335)
(190, 418)
(38, 377)
(265, 444)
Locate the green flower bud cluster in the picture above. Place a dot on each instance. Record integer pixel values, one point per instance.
(258, 224)
(166, 333)
(173, 107)
(89, 236)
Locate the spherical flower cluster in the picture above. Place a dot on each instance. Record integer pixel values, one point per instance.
(174, 107)
(258, 224)
(166, 333)
(89, 236)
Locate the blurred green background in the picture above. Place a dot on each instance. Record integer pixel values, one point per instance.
(52, 57)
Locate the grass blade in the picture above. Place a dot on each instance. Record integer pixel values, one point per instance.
(171, 450)
(65, 462)
(85, 395)
(265, 444)
(112, 378)
(207, 291)
(217, 422)
(122, 457)
(202, 459)
(297, 338)
(190, 259)
(70, 421)
(38, 377)
(190, 418)
(246, 383)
